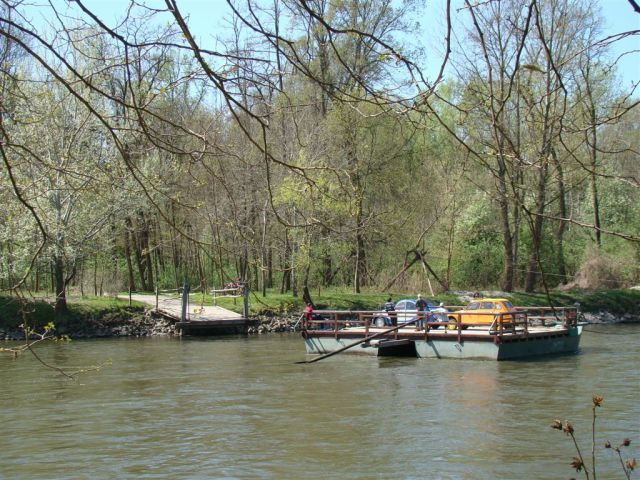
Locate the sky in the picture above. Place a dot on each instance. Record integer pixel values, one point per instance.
(206, 17)
(618, 17)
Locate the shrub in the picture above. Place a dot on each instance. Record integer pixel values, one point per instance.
(599, 271)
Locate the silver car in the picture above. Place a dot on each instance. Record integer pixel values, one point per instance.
(405, 311)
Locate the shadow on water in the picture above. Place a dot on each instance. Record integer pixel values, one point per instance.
(397, 362)
(549, 358)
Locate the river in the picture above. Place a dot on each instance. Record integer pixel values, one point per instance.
(240, 407)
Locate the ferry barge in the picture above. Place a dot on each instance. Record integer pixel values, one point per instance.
(513, 334)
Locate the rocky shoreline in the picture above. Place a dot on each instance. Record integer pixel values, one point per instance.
(609, 318)
(271, 324)
(145, 324)
(148, 324)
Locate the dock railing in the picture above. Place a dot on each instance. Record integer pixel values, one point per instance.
(226, 292)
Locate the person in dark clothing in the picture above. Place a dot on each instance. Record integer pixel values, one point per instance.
(390, 308)
(421, 306)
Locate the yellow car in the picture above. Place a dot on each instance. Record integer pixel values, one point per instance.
(484, 311)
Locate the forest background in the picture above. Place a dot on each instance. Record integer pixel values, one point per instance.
(317, 144)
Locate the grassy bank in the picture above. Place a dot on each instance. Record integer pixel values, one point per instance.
(617, 302)
(38, 312)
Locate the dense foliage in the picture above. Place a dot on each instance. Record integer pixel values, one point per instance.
(309, 149)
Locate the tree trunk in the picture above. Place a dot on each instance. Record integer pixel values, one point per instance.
(269, 267)
(404, 268)
(286, 269)
(294, 280)
(37, 280)
(517, 221)
(148, 267)
(81, 279)
(201, 275)
(306, 297)
(360, 264)
(536, 231)
(127, 255)
(450, 242)
(327, 270)
(95, 275)
(562, 213)
(593, 153)
(263, 252)
(137, 250)
(595, 203)
(60, 284)
(507, 236)
(360, 253)
(443, 284)
(538, 220)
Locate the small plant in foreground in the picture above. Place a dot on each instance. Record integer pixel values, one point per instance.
(578, 463)
(33, 337)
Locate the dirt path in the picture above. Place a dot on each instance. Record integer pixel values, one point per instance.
(173, 307)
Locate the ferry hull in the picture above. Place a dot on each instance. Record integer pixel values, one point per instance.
(506, 349)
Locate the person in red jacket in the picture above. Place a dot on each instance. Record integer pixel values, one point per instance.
(308, 313)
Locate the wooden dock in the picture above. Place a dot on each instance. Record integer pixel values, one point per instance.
(201, 320)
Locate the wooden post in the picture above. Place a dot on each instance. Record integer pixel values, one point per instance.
(157, 277)
(185, 302)
(245, 300)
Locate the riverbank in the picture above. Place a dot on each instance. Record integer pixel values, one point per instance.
(124, 324)
(148, 324)
(106, 318)
(102, 317)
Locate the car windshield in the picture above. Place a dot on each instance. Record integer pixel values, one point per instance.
(507, 305)
(406, 305)
(473, 306)
(431, 304)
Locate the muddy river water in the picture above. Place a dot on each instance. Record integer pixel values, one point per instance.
(240, 407)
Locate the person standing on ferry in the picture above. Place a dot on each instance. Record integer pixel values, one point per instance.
(421, 306)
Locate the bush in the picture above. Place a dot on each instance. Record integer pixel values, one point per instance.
(599, 271)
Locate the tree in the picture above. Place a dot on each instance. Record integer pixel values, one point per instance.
(299, 148)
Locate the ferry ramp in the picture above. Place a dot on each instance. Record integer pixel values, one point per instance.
(200, 320)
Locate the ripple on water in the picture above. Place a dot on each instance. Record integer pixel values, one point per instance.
(242, 408)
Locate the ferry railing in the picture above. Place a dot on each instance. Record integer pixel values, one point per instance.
(544, 316)
(337, 320)
(510, 322)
